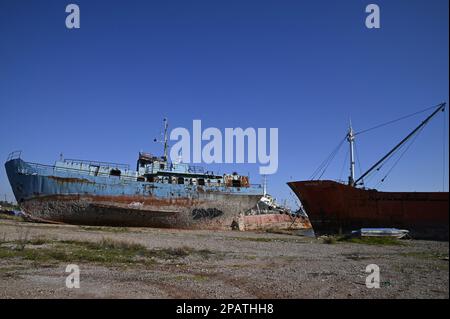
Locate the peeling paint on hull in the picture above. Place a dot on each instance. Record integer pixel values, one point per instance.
(90, 210)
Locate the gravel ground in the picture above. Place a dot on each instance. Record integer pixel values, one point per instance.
(240, 265)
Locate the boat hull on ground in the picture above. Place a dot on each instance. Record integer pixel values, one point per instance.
(333, 207)
(47, 194)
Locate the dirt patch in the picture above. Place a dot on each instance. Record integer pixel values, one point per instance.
(168, 263)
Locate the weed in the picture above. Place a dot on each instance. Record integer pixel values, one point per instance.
(106, 251)
(329, 240)
(379, 241)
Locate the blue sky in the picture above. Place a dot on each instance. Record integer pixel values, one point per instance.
(305, 67)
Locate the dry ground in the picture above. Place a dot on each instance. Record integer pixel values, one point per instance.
(165, 263)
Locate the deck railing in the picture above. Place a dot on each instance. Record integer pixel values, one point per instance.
(35, 168)
(97, 163)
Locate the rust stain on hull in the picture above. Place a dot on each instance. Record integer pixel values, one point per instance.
(274, 221)
(68, 180)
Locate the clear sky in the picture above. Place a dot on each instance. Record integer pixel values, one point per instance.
(305, 67)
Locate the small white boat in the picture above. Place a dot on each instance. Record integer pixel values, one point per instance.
(381, 232)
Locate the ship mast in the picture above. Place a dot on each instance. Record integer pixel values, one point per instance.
(166, 126)
(440, 107)
(351, 140)
(165, 139)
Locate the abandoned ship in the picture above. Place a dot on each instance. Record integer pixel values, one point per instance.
(158, 193)
(336, 207)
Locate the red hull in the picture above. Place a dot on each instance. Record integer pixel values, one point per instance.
(334, 207)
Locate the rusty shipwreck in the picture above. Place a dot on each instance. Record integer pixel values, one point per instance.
(335, 207)
(158, 193)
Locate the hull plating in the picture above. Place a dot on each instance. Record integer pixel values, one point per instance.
(92, 200)
(333, 207)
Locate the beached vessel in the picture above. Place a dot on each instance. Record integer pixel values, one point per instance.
(335, 207)
(158, 193)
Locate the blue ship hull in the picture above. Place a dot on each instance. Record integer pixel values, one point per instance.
(52, 194)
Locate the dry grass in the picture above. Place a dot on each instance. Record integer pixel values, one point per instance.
(12, 217)
(379, 241)
(105, 251)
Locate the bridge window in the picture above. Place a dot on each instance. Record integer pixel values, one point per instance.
(236, 183)
(115, 172)
(180, 180)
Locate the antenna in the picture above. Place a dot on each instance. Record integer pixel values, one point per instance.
(180, 157)
(165, 138)
(265, 185)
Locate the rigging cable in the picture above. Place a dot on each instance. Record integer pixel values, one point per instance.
(401, 155)
(396, 120)
(386, 160)
(324, 165)
(444, 148)
(331, 159)
(372, 174)
(343, 164)
(359, 162)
